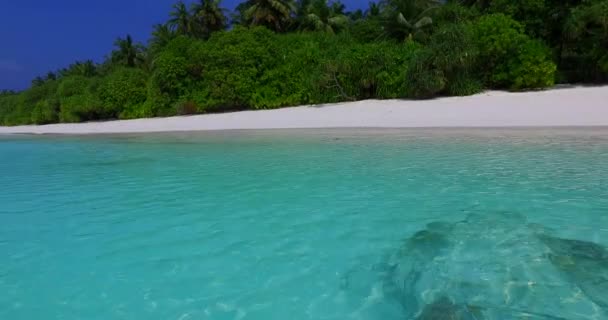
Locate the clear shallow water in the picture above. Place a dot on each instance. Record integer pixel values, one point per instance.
(331, 224)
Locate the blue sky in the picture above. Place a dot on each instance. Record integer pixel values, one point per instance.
(41, 35)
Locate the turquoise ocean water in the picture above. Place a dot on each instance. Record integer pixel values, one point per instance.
(319, 224)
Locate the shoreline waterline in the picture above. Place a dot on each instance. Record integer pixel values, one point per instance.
(560, 107)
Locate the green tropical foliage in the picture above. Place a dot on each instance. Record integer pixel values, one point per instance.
(208, 17)
(276, 53)
(276, 15)
(518, 61)
(162, 34)
(373, 10)
(180, 19)
(320, 16)
(588, 24)
(406, 19)
(530, 13)
(86, 68)
(127, 52)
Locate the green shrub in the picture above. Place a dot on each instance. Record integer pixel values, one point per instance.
(192, 103)
(46, 111)
(293, 78)
(314, 53)
(587, 35)
(464, 49)
(37, 105)
(174, 72)
(186, 107)
(77, 99)
(368, 30)
(445, 65)
(231, 64)
(453, 49)
(532, 14)
(451, 13)
(424, 80)
(81, 107)
(455, 54)
(39, 93)
(464, 85)
(498, 37)
(123, 89)
(12, 111)
(170, 74)
(364, 71)
(530, 68)
(72, 85)
(509, 58)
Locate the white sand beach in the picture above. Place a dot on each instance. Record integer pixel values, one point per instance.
(576, 106)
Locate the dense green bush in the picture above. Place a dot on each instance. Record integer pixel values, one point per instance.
(451, 13)
(291, 80)
(123, 91)
(174, 72)
(446, 64)
(11, 112)
(453, 49)
(368, 30)
(509, 58)
(587, 33)
(498, 37)
(363, 71)
(45, 111)
(157, 104)
(423, 79)
(170, 74)
(40, 103)
(231, 63)
(72, 85)
(81, 107)
(397, 49)
(77, 99)
(529, 68)
(532, 14)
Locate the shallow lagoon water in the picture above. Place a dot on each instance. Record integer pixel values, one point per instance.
(318, 224)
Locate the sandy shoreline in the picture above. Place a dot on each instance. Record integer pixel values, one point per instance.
(578, 106)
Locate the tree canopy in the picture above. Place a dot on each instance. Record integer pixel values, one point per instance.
(275, 53)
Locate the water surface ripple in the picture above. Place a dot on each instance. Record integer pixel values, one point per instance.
(318, 224)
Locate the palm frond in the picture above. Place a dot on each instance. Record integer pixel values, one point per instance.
(403, 21)
(425, 21)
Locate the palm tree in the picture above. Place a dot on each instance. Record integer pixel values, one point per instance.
(338, 7)
(180, 19)
(355, 15)
(301, 11)
(239, 16)
(208, 17)
(373, 10)
(161, 36)
(87, 68)
(321, 17)
(274, 14)
(406, 19)
(38, 81)
(50, 76)
(127, 52)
